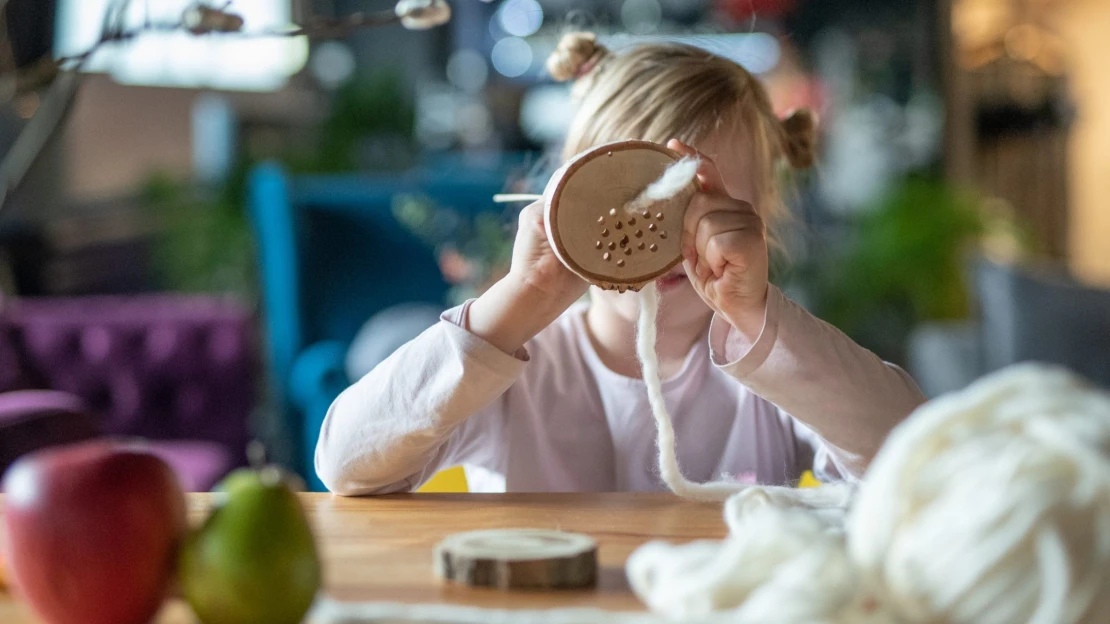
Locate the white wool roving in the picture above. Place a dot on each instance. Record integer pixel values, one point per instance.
(991, 505)
(676, 178)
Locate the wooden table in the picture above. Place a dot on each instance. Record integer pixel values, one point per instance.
(381, 548)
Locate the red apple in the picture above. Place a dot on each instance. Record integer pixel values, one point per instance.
(92, 532)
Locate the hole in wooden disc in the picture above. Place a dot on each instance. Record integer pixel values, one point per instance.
(612, 212)
(604, 233)
(620, 263)
(659, 216)
(605, 256)
(663, 234)
(646, 214)
(639, 233)
(598, 244)
(624, 241)
(628, 251)
(640, 246)
(601, 219)
(631, 220)
(612, 245)
(619, 225)
(651, 226)
(653, 248)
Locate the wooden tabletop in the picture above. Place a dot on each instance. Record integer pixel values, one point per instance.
(381, 548)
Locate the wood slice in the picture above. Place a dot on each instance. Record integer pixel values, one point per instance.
(518, 559)
(589, 229)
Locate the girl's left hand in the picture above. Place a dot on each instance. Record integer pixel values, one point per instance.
(724, 248)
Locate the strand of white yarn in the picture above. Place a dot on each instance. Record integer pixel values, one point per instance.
(828, 497)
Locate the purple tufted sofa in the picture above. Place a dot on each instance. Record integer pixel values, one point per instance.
(179, 371)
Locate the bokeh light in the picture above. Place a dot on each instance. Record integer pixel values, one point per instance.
(467, 70)
(641, 16)
(474, 123)
(332, 63)
(511, 57)
(757, 52)
(520, 18)
(546, 113)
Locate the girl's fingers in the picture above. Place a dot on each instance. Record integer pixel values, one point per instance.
(692, 273)
(716, 224)
(681, 148)
(699, 206)
(730, 248)
(708, 175)
(702, 204)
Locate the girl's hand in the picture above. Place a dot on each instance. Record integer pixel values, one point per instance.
(537, 289)
(535, 264)
(724, 248)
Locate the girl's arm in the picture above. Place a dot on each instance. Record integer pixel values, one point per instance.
(812, 371)
(806, 367)
(400, 423)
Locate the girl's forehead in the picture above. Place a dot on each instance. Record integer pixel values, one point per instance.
(732, 149)
(730, 140)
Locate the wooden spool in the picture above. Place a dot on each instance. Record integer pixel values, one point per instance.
(591, 232)
(518, 559)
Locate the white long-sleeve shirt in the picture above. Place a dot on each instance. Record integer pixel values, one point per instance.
(554, 418)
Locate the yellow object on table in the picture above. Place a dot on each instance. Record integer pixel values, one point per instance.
(450, 480)
(808, 480)
(453, 480)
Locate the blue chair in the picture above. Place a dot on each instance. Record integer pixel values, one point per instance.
(331, 255)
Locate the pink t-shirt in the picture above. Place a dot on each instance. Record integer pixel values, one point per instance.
(554, 418)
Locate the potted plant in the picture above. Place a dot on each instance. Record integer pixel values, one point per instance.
(900, 287)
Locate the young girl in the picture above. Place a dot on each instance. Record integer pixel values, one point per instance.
(531, 392)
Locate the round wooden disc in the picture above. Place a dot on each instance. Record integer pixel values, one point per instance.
(589, 228)
(518, 559)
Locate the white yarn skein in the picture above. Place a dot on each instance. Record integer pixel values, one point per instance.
(669, 470)
(796, 554)
(991, 505)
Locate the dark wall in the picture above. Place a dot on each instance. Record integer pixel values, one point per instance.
(30, 29)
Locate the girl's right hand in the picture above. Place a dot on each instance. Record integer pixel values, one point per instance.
(535, 264)
(537, 289)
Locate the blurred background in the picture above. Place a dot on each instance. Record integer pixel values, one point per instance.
(205, 236)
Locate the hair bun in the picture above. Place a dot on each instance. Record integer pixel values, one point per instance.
(799, 138)
(575, 55)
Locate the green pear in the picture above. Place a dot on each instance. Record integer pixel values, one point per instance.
(253, 561)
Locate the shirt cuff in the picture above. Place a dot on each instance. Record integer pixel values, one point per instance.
(830, 463)
(460, 317)
(732, 352)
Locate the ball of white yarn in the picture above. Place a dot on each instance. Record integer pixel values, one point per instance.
(772, 553)
(990, 505)
(993, 505)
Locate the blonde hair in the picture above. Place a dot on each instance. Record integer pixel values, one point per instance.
(661, 91)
